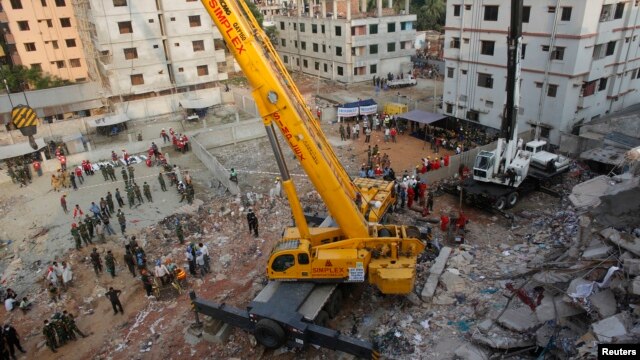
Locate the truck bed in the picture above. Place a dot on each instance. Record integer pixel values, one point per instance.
(307, 299)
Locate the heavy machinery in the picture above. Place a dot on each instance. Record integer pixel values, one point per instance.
(502, 176)
(348, 250)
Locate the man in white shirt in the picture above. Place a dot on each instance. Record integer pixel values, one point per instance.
(205, 254)
(161, 272)
(67, 275)
(9, 304)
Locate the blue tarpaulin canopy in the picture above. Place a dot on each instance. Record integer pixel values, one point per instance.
(361, 107)
(423, 117)
(367, 102)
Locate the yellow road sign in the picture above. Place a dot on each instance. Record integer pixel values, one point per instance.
(23, 116)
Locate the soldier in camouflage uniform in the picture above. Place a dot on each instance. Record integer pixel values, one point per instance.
(84, 233)
(136, 190)
(147, 191)
(89, 223)
(76, 236)
(163, 186)
(111, 172)
(122, 221)
(124, 176)
(50, 336)
(70, 323)
(103, 170)
(131, 173)
(109, 199)
(179, 232)
(58, 326)
(130, 196)
(110, 263)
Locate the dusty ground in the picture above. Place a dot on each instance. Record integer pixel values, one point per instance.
(152, 329)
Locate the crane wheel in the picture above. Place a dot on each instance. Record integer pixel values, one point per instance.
(512, 199)
(322, 318)
(501, 203)
(269, 333)
(333, 307)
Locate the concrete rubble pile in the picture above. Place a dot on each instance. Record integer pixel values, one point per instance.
(559, 283)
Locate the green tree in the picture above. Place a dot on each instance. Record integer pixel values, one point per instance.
(20, 77)
(431, 14)
(255, 12)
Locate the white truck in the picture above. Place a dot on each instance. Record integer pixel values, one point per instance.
(545, 160)
(406, 81)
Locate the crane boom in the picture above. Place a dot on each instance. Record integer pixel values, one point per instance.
(279, 102)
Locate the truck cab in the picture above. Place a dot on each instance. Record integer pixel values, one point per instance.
(545, 160)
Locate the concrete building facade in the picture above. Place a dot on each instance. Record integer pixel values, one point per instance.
(580, 60)
(43, 34)
(146, 49)
(346, 42)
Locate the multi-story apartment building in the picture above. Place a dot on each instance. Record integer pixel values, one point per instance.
(271, 8)
(580, 60)
(145, 49)
(347, 43)
(43, 34)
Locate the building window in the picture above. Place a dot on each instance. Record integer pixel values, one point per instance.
(37, 66)
(16, 4)
(316, 65)
(194, 21)
(524, 50)
(137, 79)
(74, 63)
(551, 9)
(295, 44)
(338, 31)
(283, 42)
(545, 48)
(203, 70)
(180, 69)
(23, 25)
(315, 47)
(373, 29)
(456, 10)
(303, 45)
(391, 47)
(455, 43)
(30, 46)
(281, 25)
(464, 72)
(488, 103)
(340, 71)
(324, 48)
(566, 14)
(598, 51)
(338, 50)
(172, 19)
(391, 27)
(487, 47)
(156, 46)
(322, 29)
(450, 72)
(450, 108)
(125, 27)
(491, 13)
(325, 67)
(59, 64)
(305, 63)
(611, 48)
(302, 27)
(49, 23)
(66, 22)
(473, 115)
(70, 43)
(286, 59)
(117, 3)
(552, 90)
(54, 44)
(526, 12)
(603, 84)
(373, 49)
(619, 10)
(176, 44)
(557, 53)
(198, 45)
(485, 81)
(60, 3)
(295, 26)
(314, 28)
(373, 69)
(44, 3)
(130, 53)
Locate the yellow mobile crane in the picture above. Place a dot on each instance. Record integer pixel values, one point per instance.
(353, 251)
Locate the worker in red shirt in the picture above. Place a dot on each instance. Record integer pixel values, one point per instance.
(446, 160)
(444, 222)
(79, 174)
(462, 221)
(410, 195)
(63, 162)
(37, 167)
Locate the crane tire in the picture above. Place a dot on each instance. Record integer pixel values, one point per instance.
(269, 333)
(501, 203)
(333, 307)
(512, 199)
(322, 318)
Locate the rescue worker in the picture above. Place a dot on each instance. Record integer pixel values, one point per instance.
(252, 220)
(62, 335)
(13, 340)
(122, 221)
(190, 192)
(233, 176)
(110, 263)
(76, 235)
(63, 203)
(111, 172)
(69, 320)
(112, 295)
(119, 198)
(37, 167)
(179, 232)
(147, 191)
(109, 199)
(136, 190)
(131, 172)
(146, 282)
(430, 201)
(96, 261)
(129, 260)
(103, 170)
(163, 186)
(50, 336)
(125, 177)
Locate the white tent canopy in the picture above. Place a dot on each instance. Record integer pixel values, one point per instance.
(108, 120)
(199, 103)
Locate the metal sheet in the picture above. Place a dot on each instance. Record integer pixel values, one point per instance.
(15, 150)
(108, 120)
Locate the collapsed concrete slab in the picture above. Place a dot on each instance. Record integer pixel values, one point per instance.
(625, 241)
(600, 251)
(429, 288)
(441, 261)
(634, 287)
(499, 338)
(471, 352)
(612, 328)
(552, 277)
(631, 266)
(435, 271)
(547, 311)
(452, 282)
(604, 303)
(521, 320)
